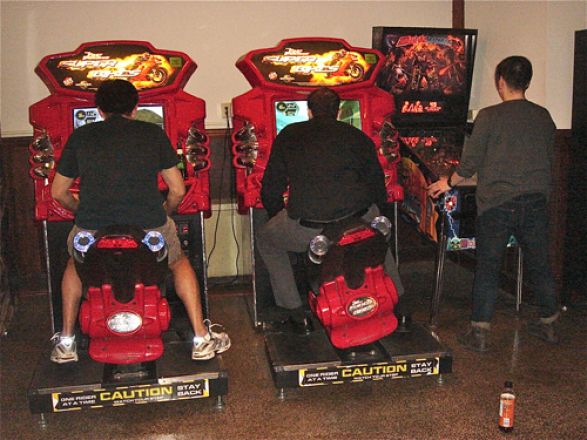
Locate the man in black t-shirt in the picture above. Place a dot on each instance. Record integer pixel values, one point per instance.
(117, 162)
(332, 172)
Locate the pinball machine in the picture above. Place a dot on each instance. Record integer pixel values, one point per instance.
(159, 76)
(429, 71)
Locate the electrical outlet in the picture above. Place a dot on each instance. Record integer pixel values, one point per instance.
(226, 109)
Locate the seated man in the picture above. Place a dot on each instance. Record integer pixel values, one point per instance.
(332, 171)
(117, 161)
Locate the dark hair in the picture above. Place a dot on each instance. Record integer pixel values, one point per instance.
(516, 72)
(324, 101)
(117, 96)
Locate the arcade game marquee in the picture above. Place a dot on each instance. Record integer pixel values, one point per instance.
(159, 76)
(281, 78)
(428, 72)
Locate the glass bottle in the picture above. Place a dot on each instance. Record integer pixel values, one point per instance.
(507, 403)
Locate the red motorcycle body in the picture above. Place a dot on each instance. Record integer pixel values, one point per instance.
(122, 278)
(351, 294)
(143, 345)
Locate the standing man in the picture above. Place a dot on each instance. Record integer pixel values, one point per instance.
(117, 161)
(511, 150)
(332, 172)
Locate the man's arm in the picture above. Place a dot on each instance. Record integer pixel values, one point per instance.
(174, 180)
(60, 192)
(444, 183)
(372, 171)
(275, 178)
(471, 158)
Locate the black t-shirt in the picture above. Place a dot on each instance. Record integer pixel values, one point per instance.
(117, 162)
(331, 168)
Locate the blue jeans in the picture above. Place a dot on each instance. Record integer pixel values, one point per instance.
(526, 218)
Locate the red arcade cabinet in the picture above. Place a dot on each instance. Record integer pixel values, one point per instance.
(72, 79)
(281, 78)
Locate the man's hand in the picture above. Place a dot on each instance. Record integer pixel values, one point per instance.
(174, 181)
(60, 192)
(438, 188)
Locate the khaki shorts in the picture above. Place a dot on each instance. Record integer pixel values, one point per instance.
(168, 230)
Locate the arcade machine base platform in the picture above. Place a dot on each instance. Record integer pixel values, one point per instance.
(87, 384)
(299, 361)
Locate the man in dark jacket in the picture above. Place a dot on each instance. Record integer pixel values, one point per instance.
(332, 171)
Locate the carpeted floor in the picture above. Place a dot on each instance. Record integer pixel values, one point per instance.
(550, 381)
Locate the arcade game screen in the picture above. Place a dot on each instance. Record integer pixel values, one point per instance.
(428, 71)
(288, 112)
(87, 115)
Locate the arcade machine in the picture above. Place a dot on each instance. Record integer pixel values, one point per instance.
(429, 72)
(159, 76)
(281, 78)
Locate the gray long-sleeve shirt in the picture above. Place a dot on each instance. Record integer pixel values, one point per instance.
(511, 150)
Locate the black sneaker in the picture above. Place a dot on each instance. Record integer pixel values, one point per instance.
(300, 326)
(544, 331)
(404, 324)
(475, 339)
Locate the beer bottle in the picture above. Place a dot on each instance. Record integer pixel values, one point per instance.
(507, 403)
(181, 165)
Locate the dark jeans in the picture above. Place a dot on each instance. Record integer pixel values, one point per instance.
(526, 218)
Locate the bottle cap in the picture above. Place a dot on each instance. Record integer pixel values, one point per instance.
(509, 384)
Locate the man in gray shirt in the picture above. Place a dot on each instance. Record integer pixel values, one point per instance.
(511, 151)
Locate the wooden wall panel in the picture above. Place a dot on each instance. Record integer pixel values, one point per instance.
(558, 205)
(23, 243)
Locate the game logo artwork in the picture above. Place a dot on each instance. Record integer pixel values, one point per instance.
(428, 71)
(139, 63)
(313, 63)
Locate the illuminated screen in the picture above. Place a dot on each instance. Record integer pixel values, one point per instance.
(147, 113)
(288, 112)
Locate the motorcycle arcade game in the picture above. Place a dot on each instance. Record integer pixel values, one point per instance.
(159, 76)
(429, 72)
(344, 346)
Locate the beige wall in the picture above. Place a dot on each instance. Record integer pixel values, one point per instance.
(543, 31)
(214, 33)
(228, 244)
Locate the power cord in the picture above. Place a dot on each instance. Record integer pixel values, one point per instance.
(225, 147)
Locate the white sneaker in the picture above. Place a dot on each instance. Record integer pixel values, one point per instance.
(205, 347)
(65, 349)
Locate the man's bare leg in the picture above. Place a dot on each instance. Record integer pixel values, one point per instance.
(64, 349)
(188, 290)
(71, 294)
